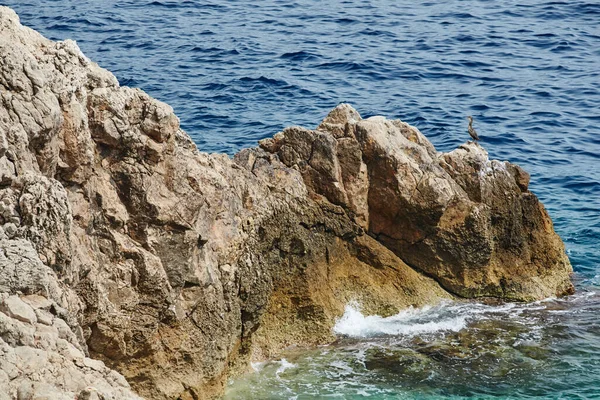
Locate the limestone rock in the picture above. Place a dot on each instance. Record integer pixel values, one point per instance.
(35, 363)
(467, 221)
(14, 307)
(126, 249)
(23, 271)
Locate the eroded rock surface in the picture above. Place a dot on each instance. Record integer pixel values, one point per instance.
(42, 358)
(465, 220)
(122, 242)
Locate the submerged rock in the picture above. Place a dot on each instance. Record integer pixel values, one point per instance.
(175, 267)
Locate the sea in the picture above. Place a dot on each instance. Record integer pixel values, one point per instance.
(528, 71)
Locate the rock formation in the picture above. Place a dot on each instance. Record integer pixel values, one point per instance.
(122, 242)
(467, 221)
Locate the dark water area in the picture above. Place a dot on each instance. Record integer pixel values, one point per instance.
(528, 71)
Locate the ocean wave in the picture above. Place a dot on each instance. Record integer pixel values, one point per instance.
(449, 316)
(409, 322)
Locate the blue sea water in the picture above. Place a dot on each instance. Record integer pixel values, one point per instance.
(528, 71)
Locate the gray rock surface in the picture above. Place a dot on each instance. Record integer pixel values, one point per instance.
(45, 360)
(125, 248)
(15, 308)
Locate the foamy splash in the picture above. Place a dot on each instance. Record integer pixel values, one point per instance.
(444, 317)
(284, 364)
(408, 322)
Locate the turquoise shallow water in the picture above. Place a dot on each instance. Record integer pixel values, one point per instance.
(239, 71)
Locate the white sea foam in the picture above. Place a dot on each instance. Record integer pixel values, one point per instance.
(444, 317)
(258, 366)
(408, 322)
(284, 364)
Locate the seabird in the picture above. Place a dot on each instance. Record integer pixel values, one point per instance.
(472, 131)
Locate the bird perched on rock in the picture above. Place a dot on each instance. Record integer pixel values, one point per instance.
(472, 131)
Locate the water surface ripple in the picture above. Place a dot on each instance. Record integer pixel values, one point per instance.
(238, 71)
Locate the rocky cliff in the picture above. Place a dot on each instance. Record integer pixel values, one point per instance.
(126, 249)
